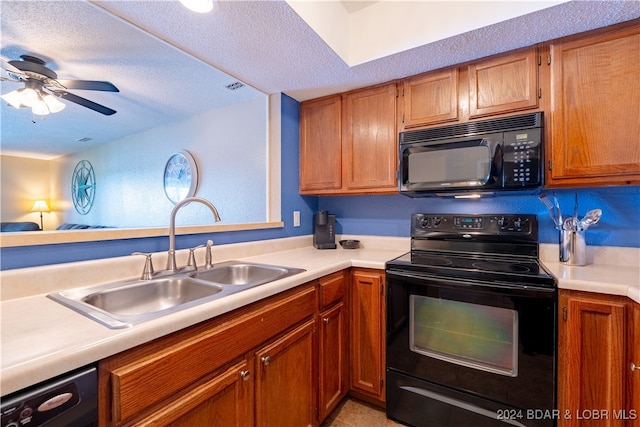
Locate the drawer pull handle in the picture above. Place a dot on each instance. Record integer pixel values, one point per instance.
(635, 367)
(266, 360)
(326, 320)
(245, 375)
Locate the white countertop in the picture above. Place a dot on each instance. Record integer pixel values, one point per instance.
(42, 339)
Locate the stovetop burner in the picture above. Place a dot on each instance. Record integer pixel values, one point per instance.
(436, 260)
(505, 267)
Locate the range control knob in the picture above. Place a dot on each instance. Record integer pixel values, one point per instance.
(424, 222)
(517, 223)
(502, 221)
(435, 221)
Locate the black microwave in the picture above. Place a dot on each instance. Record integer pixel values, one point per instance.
(482, 157)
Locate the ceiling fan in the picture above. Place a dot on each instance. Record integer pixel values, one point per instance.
(42, 87)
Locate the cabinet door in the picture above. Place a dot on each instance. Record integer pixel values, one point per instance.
(321, 144)
(591, 358)
(595, 115)
(503, 84)
(367, 329)
(225, 400)
(431, 98)
(334, 365)
(370, 139)
(635, 368)
(285, 385)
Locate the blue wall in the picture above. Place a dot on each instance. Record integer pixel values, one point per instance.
(370, 215)
(390, 215)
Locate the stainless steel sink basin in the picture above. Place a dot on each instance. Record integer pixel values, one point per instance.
(150, 297)
(122, 304)
(244, 274)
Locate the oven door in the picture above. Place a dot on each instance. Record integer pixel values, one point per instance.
(460, 164)
(468, 350)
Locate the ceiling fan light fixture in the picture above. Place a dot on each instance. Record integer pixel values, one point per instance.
(52, 103)
(29, 97)
(200, 6)
(13, 98)
(40, 109)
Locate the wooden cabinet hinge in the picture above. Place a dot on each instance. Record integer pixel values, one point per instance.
(549, 164)
(539, 93)
(548, 59)
(402, 117)
(564, 313)
(539, 60)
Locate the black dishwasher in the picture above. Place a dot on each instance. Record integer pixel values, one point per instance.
(67, 400)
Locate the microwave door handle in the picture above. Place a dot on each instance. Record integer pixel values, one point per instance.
(495, 162)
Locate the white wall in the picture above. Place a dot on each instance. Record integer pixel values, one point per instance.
(23, 182)
(230, 148)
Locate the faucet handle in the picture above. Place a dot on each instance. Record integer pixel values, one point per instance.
(208, 258)
(191, 263)
(147, 271)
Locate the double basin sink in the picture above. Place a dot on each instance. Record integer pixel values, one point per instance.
(122, 304)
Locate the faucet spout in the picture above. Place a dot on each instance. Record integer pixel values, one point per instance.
(171, 260)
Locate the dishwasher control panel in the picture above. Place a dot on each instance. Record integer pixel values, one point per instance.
(64, 401)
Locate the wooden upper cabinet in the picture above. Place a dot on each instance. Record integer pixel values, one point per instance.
(348, 143)
(595, 108)
(321, 144)
(431, 98)
(370, 140)
(503, 84)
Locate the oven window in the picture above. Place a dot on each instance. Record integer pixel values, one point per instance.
(477, 336)
(454, 165)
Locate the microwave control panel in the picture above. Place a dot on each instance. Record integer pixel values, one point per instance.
(522, 155)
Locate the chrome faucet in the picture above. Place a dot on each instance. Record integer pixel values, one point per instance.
(171, 260)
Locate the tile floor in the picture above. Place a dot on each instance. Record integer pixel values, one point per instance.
(355, 413)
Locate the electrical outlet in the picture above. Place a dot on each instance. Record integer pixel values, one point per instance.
(296, 218)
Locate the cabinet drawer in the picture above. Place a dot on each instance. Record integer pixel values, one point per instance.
(146, 375)
(332, 289)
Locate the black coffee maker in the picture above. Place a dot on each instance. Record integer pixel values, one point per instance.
(324, 226)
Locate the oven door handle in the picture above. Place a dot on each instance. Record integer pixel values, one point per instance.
(460, 404)
(460, 283)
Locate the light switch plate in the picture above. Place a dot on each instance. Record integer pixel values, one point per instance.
(296, 218)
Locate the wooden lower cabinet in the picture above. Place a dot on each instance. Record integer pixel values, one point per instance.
(333, 337)
(288, 360)
(367, 335)
(193, 374)
(634, 367)
(285, 380)
(593, 365)
(225, 400)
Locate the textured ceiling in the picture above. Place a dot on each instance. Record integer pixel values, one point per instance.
(262, 43)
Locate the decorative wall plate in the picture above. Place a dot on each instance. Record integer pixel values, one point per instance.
(83, 187)
(180, 176)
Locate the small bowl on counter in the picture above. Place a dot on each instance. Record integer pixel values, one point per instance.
(350, 244)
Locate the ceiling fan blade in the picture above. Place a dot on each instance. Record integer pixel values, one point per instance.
(88, 85)
(85, 103)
